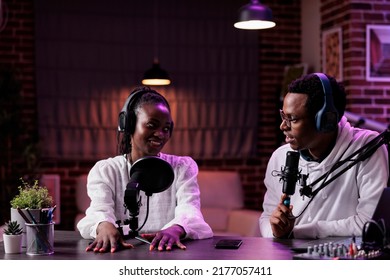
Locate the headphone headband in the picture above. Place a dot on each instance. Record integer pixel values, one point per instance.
(130, 101)
(327, 117)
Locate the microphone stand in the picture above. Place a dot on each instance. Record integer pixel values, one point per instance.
(132, 204)
(363, 153)
(149, 174)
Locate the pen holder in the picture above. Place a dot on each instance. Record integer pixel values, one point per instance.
(40, 239)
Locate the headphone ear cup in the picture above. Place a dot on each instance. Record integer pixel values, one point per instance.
(126, 120)
(326, 121)
(122, 118)
(327, 117)
(122, 121)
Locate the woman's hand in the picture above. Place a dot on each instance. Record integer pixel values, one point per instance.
(166, 238)
(282, 221)
(107, 238)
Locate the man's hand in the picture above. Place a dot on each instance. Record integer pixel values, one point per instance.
(282, 221)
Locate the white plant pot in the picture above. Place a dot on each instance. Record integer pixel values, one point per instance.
(15, 216)
(12, 243)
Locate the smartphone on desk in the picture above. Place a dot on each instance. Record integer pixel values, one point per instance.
(228, 244)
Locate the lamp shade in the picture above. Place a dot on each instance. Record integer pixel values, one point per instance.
(254, 16)
(156, 76)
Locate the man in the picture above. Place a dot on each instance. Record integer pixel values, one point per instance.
(314, 125)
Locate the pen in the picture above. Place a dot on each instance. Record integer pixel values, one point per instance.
(143, 240)
(31, 216)
(50, 214)
(43, 217)
(23, 216)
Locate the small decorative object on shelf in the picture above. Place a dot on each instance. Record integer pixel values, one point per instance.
(12, 228)
(12, 237)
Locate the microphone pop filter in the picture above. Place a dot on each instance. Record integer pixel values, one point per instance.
(153, 174)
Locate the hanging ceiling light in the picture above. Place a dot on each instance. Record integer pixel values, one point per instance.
(156, 76)
(254, 16)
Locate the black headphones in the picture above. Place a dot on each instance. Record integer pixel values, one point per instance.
(127, 118)
(327, 117)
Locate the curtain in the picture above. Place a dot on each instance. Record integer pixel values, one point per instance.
(91, 54)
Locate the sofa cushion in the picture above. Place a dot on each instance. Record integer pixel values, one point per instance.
(244, 222)
(82, 198)
(217, 218)
(220, 189)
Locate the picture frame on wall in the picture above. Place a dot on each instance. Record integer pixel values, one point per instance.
(332, 53)
(377, 52)
(292, 72)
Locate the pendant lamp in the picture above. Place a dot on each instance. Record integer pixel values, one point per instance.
(254, 16)
(156, 76)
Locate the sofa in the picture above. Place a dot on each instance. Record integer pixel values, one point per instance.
(222, 203)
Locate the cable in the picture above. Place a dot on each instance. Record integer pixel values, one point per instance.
(147, 213)
(361, 154)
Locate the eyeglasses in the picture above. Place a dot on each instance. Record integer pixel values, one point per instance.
(288, 120)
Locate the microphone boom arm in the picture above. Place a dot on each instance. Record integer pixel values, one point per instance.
(363, 153)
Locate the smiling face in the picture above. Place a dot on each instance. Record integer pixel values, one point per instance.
(152, 130)
(302, 134)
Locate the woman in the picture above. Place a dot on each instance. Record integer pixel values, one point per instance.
(174, 214)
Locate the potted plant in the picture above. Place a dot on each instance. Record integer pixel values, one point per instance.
(29, 202)
(32, 196)
(12, 237)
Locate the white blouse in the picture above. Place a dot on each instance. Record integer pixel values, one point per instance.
(179, 204)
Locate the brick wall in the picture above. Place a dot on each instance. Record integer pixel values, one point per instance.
(17, 51)
(17, 59)
(366, 98)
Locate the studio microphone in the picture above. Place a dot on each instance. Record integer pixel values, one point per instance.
(290, 175)
(131, 198)
(149, 174)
